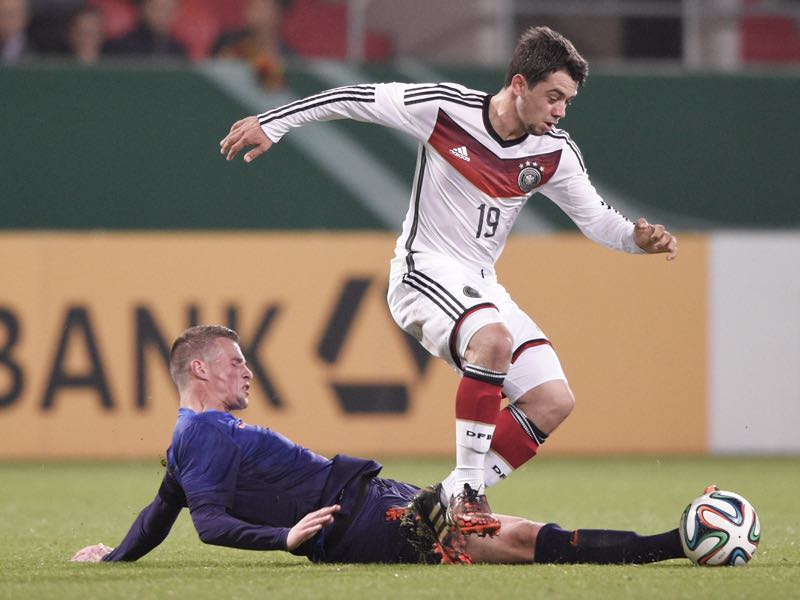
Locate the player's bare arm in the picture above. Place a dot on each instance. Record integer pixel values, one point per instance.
(655, 239)
(243, 134)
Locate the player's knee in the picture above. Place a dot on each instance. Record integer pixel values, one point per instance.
(500, 347)
(491, 346)
(561, 403)
(565, 403)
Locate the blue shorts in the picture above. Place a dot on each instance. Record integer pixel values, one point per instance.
(371, 537)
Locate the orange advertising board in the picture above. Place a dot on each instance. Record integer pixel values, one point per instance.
(86, 321)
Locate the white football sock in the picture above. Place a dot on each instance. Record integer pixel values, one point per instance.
(495, 469)
(473, 440)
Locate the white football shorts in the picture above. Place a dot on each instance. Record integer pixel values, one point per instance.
(442, 304)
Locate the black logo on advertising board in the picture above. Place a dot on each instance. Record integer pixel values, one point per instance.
(384, 397)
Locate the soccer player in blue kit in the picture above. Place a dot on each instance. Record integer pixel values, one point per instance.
(251, 488)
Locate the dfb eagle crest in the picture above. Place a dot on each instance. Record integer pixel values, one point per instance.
(530, 176)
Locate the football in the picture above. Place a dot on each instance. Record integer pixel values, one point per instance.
(719, 529)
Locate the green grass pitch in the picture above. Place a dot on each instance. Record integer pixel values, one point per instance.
(48, 511)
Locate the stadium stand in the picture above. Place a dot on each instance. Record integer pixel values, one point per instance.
(197, 25)
(317, 28)
(313, 28)
(770, 39)
(118, 15)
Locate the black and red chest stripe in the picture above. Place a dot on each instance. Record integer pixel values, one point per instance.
(497, 177)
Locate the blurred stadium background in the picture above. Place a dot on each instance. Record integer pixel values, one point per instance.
(120, 225)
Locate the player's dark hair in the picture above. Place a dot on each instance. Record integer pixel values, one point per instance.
(194, 343)
(542, 51)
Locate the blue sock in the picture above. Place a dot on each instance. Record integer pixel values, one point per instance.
(604, 546)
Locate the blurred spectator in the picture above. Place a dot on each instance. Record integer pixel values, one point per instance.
(85, 34)
(151, 36)
(14, 17)
(260, 42)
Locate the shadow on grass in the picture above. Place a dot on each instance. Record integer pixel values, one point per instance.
(205, 568)
(680, 566)
(167, 569)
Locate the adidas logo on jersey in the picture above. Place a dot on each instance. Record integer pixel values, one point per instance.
(460, 152)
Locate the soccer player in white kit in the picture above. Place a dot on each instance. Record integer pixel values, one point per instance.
(480, 158)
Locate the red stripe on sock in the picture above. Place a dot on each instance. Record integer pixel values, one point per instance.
(511, 442)
(478, 401)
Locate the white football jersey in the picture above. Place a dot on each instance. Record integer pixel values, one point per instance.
(470, 184)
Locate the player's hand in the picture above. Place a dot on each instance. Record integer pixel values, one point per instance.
(243, 134)
(655, 239)
(309, 526)
(93, 553)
